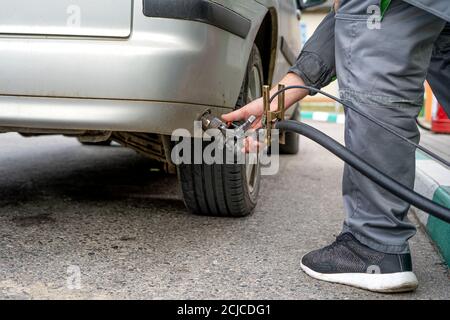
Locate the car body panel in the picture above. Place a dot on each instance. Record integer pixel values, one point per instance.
(99, 18)
(163, 64)
(289, 30)
(99, 114)
(164, 60)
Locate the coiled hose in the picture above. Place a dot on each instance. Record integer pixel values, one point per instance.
(361, 165)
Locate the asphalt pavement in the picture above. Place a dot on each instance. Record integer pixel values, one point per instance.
(105, 212)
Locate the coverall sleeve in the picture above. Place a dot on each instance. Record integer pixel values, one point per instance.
(439, 71)
(316, 63)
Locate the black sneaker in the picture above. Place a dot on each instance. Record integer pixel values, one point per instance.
(347, 261)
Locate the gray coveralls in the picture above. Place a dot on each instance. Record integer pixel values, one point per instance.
(382, 72)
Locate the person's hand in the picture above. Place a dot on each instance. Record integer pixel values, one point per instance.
(255, 108)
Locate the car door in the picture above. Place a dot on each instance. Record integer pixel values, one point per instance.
(289, 42)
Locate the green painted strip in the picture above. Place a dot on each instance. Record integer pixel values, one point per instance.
(332, 117)
(307, 115)
(422, 156)
(439, 230)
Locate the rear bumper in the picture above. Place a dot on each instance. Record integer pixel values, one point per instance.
(98, 114)
(162, 60)
(169, 60)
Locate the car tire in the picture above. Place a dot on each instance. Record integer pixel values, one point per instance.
(292, 140)
(228, 190)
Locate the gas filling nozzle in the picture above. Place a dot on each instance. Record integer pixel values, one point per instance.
(270, 118)
(210, 121)
(234, 131)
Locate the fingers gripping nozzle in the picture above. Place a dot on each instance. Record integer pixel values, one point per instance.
(233, 131)
(270, 118)
(209, 121)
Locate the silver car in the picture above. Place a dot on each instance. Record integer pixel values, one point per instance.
(133, 71)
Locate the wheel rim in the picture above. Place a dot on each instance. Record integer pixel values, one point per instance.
(254, 91)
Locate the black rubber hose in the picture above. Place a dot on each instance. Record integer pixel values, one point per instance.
(366, 169)
(422, 126)
(350, 106)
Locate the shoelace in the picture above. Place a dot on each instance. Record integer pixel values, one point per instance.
(339, 240)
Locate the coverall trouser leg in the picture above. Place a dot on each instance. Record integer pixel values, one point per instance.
(382, 71)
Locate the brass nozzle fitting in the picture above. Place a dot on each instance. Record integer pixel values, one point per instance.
(271, 117)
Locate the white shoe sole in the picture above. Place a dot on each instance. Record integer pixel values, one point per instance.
(384, 283)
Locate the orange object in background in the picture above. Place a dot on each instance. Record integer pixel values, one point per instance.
(440, 123)
(429, 101)
(434, 113)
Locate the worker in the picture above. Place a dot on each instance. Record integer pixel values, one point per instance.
(381, 70)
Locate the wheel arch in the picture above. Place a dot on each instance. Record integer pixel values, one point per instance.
(267, 41)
